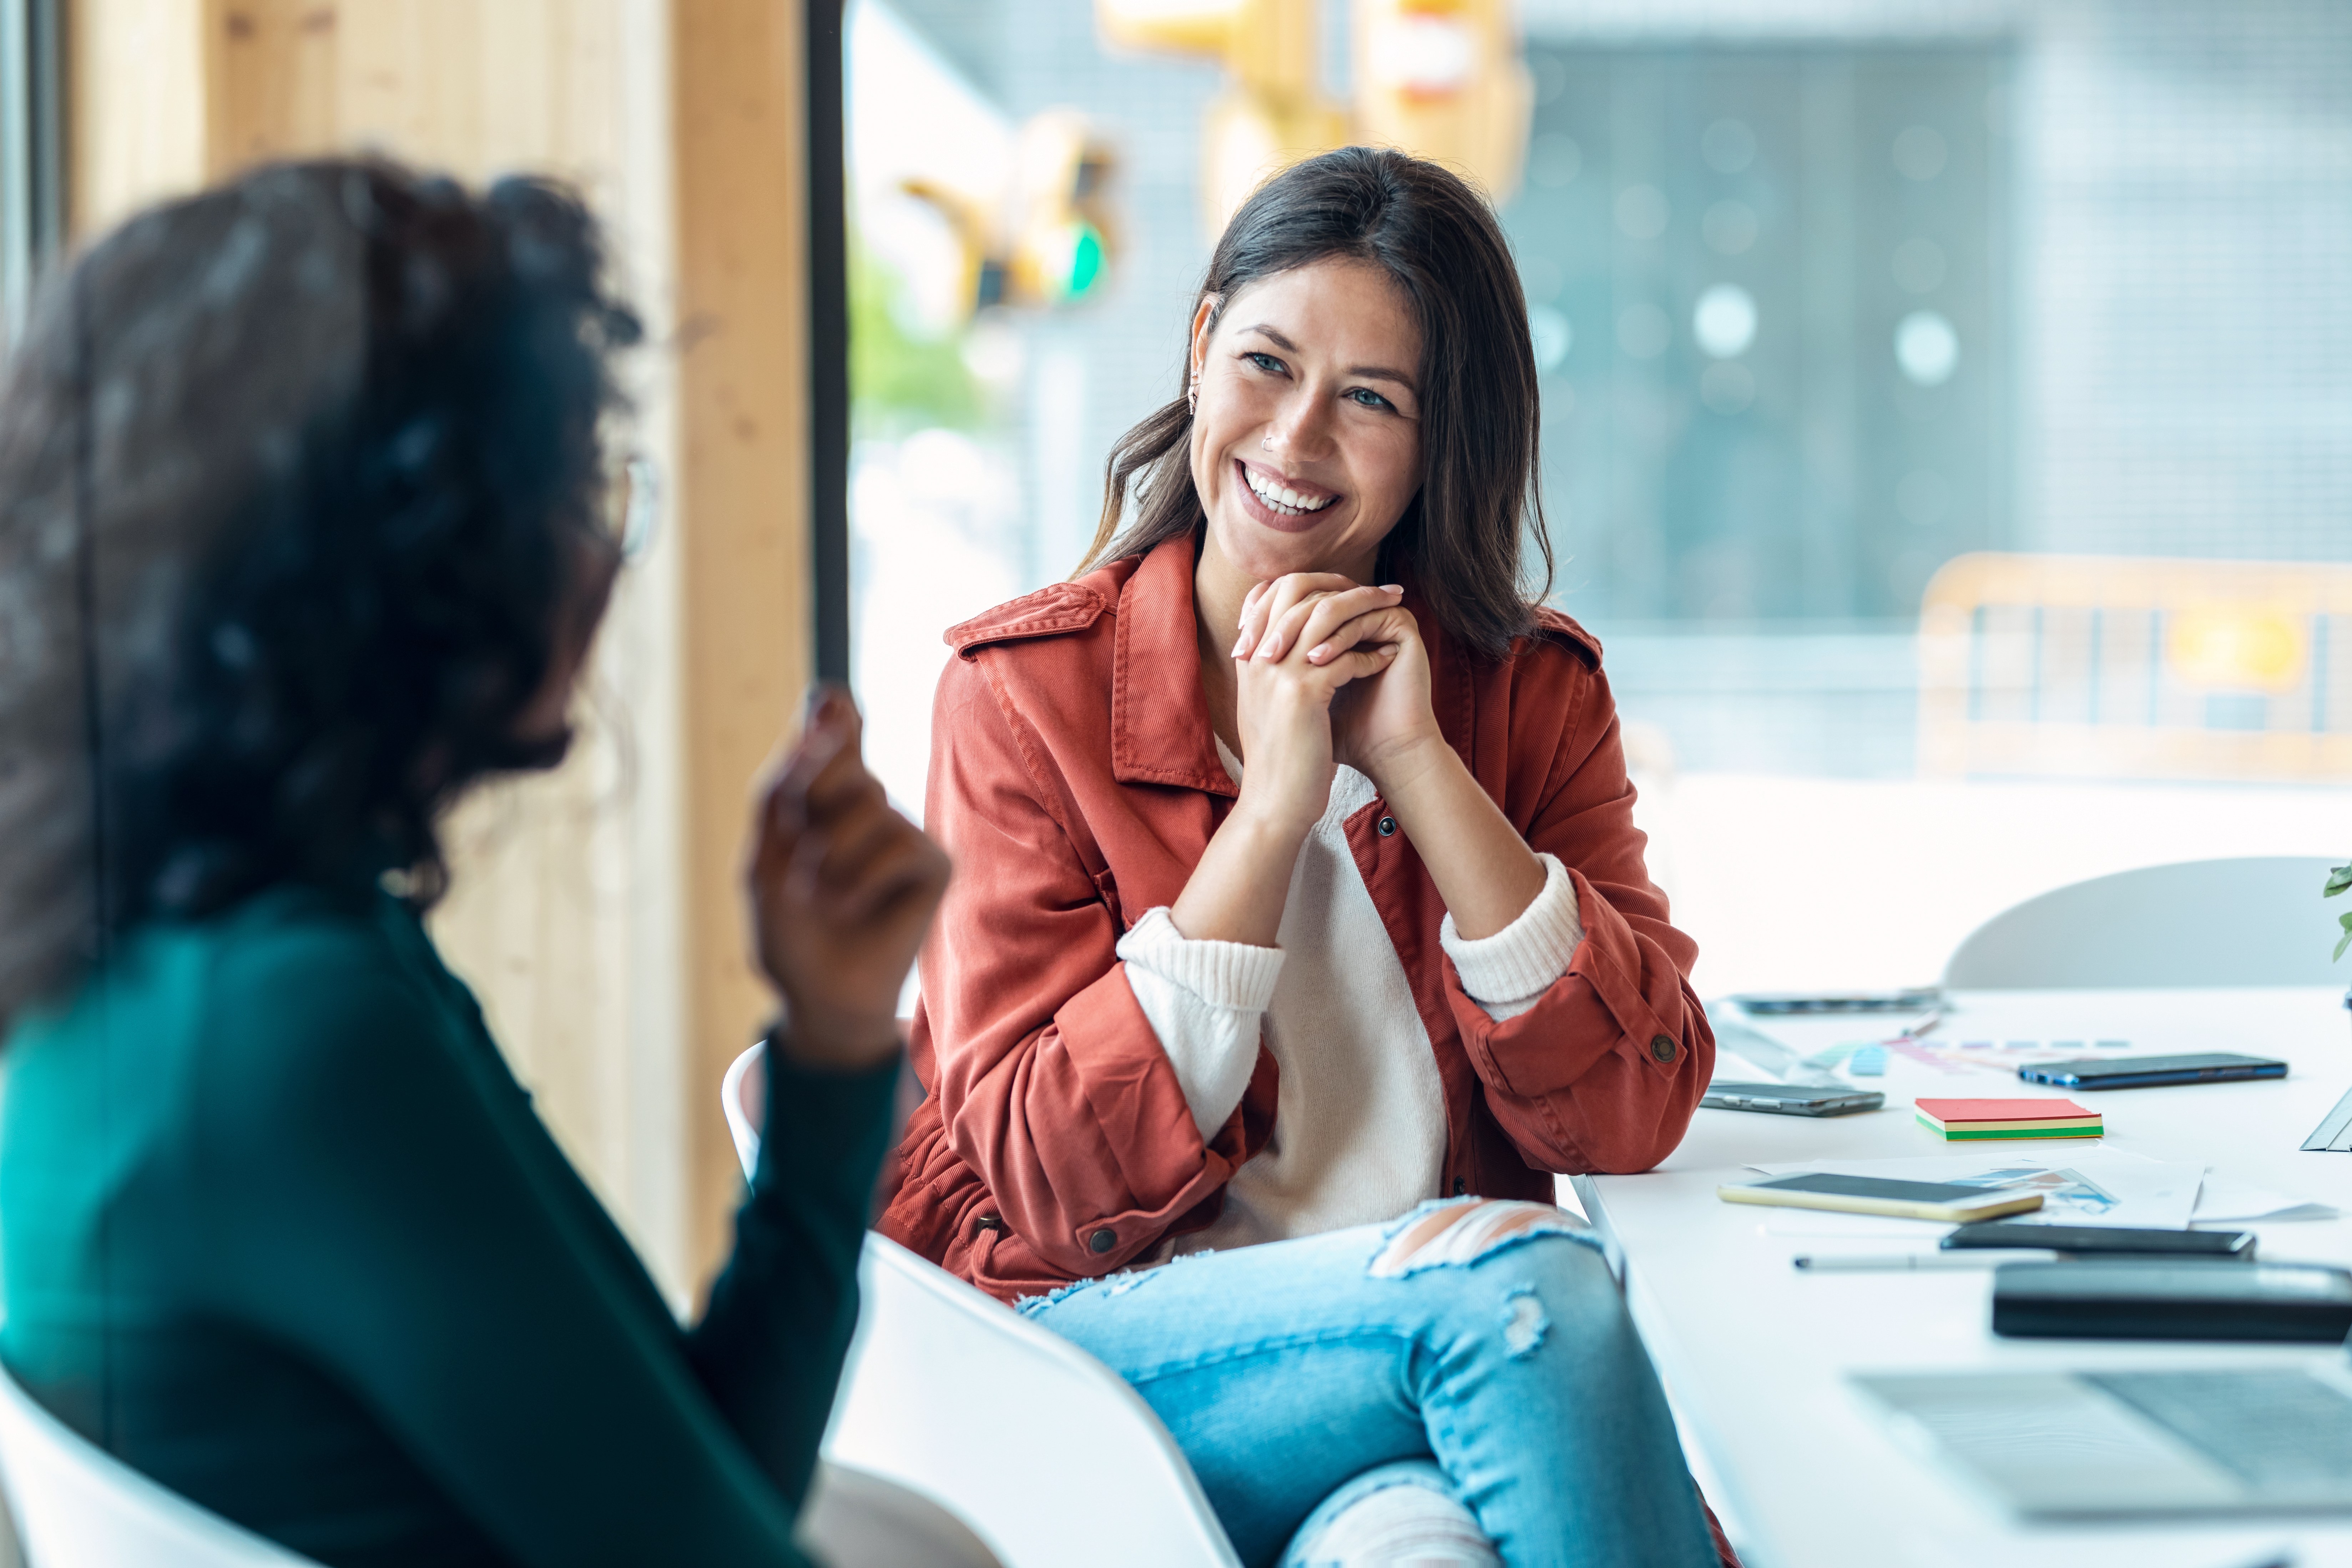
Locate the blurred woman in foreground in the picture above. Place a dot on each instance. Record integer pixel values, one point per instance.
(303, 532)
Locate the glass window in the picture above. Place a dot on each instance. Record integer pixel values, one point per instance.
(1944, 417)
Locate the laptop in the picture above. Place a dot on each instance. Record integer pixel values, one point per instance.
(2058, 1444)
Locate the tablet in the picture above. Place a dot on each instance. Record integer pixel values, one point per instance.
(1945, 1201)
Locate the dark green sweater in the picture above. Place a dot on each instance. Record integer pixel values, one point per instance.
(278, 1227)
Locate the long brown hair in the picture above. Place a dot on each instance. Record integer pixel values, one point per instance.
(1481, 488)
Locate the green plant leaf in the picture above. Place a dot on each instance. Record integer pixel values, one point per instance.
(2338, 881)
(2345, 921)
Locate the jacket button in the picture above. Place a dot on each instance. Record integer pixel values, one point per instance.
(1102, 1240)
(1387, 826)
(1663, 1048)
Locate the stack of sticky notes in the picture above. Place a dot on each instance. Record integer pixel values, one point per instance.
(1987, 1121)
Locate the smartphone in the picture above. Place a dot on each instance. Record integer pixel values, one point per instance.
(2106, 1241)
(2147, 1072)
(1791, 1099)
(1945, 1200)
(1772, 1004)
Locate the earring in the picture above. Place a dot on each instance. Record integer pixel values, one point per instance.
(1192, 394)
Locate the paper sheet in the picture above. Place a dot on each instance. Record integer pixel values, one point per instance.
(2229, 1200)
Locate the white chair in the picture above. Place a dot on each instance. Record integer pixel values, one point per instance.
(1043, 1450)
(78, 1507)
(2256, 921)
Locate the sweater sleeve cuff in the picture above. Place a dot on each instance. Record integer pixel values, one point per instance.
(1506, 973)
(1220, 973)
(1204, 1000)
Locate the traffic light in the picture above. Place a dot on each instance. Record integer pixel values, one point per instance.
(1441, 78)
(1047, 238)
(1061, 234)
(1272, 114)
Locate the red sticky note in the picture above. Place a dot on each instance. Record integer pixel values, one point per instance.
(2002, 1109)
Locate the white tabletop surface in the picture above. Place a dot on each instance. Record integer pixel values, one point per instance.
(1756, 1354)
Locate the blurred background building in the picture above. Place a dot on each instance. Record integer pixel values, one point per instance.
(1827, 295)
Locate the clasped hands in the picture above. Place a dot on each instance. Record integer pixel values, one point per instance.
(1328, 671)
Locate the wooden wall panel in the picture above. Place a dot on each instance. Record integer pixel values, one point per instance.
(743, 445)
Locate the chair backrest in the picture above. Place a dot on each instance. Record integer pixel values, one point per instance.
(743, 1096)
(1043, 1450)
(2256, 921)
(76, 1505)
(2086, 666)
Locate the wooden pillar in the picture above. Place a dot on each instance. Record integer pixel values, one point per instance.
(595, 910)
(135, 107)
(743, 489)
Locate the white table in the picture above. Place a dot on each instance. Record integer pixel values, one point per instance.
(1756, 1354)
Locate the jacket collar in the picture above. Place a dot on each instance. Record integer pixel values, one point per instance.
(1159, 730)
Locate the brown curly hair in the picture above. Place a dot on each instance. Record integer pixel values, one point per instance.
(288, 473)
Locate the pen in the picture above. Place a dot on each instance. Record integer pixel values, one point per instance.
(1905, 1262)
(1935, 1016)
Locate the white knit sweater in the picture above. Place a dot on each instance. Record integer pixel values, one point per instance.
(1359, 1127)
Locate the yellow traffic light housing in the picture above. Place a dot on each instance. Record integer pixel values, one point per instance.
(1273, 113)
(1441, 78)
(1050, 240)
(1061, 237)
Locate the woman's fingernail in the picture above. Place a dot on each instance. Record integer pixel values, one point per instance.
(1315, 655)
(1391, 587)
(1270, 649)
(1240, 643)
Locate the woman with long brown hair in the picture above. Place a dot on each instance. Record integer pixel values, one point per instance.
(1301, 930)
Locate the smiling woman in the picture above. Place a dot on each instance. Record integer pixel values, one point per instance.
(1299, 897)
(1418, 323)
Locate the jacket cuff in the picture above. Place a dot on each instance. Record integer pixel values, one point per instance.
(1506, 972)
(1204, 1000)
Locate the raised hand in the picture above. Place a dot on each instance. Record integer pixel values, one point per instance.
(842, 891)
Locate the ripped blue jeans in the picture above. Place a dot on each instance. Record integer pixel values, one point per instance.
(1285, 1371)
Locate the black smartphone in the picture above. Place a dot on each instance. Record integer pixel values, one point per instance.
(2147, 1072)
(2106, 1241)
(1792, 1099)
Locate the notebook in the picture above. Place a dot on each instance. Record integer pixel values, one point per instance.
(1994, 1120)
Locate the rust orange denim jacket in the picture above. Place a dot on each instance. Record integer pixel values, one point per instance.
(1075, 781)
